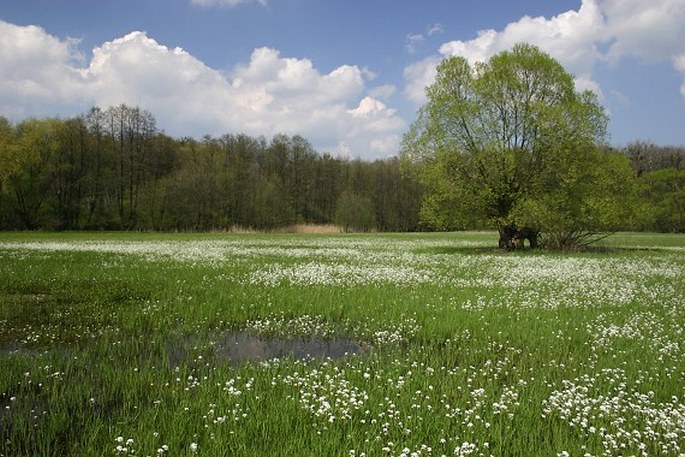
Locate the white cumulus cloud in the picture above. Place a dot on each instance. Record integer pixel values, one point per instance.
(570, 37)
(653, 30)
(679, 64)
(269, 94)
(600, 31)
(31, 62)
(419, 75)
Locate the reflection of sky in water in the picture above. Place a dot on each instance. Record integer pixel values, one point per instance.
(241, 347)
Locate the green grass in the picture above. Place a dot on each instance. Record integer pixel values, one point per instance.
(111, 337)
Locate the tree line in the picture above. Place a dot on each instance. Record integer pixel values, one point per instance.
(113, 169)
(660, 171)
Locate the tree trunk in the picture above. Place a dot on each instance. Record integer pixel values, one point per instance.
(512, 238)
(531, 235)
(506, 236)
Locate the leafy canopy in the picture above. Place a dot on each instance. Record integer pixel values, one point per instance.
(495, 136)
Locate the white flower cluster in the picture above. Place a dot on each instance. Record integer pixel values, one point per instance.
(124, 447)
(327, 393)
(379, 333)
(389, 337)
(626, 420)
(303, 326)
(465, 449)
(553, 282)
(217, 251)
(508, 402)
(326, 274)
(644, 328)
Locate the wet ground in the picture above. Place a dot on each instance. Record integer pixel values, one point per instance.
(242, 347)
(235, 348)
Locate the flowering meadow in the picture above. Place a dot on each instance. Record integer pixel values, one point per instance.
(339, 345)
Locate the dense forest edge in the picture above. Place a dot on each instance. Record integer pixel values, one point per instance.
(113, 169)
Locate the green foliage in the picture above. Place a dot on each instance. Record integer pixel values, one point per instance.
(271, 208)
(28, 180)
(8, 150)
(500, 144)
(593, 193)
(355, 213)
(509, 141)
(664, 192)
(112, 169)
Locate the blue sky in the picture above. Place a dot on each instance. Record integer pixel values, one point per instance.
(346, 74)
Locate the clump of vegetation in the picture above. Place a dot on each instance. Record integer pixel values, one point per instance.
(510, 144)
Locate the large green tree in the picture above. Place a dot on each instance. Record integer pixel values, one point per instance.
(496, 136)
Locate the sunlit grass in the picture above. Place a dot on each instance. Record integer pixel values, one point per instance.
(110, 344)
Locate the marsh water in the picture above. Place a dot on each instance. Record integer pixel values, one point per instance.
(242, 347)
(236, 348)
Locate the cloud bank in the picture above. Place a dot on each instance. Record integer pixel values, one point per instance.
(342, 111)
(43, 75)
(601, 31)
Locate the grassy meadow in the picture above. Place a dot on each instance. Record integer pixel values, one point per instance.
(419, 345)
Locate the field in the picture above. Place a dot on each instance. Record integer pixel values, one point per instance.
(339, 345)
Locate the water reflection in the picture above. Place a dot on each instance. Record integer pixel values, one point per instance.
(242, 347)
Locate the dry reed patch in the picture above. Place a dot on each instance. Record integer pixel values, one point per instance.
(311, 228)
(324, 229)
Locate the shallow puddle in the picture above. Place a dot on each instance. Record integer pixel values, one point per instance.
(242, 347)
(14, 349)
